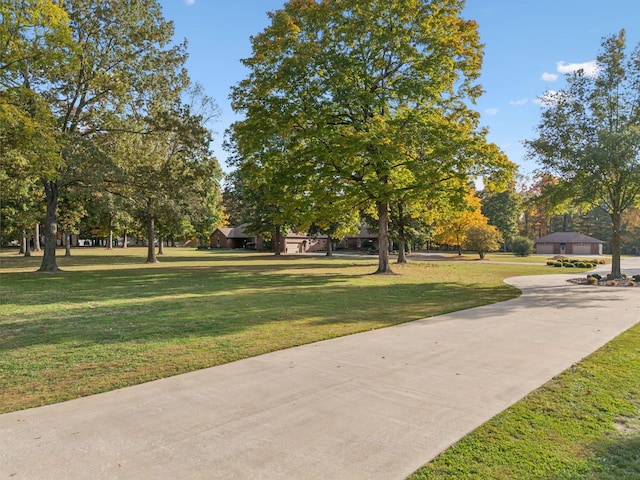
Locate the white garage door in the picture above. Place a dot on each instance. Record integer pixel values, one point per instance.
(584, 249)
(544, 248)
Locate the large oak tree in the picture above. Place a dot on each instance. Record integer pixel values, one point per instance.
(372, 96)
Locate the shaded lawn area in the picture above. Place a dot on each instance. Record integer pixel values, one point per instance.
(109, 320)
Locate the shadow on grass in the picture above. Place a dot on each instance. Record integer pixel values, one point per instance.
(617, 458)
(134, 305)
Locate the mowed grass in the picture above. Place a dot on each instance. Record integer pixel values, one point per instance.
(109, 320)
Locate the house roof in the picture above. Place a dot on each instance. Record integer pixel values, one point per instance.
(235, 232)
(365, 233)
(567, 237)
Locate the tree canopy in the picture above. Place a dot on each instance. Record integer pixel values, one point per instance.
(372, 97)
(87, 81)
(589, 136)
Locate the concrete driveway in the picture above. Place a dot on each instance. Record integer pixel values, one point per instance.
(375, 405)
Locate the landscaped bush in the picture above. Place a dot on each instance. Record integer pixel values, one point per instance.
(573, 262)
(521, 246)
(636, 278)
(592, 280)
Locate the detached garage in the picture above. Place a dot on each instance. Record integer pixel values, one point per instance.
(568, 243)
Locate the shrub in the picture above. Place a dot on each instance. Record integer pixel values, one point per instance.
(557, 264)
(602, 262)
(581, 265)
(569, 265)
(521, 246)
(592, 280)
(636, 277)
(482, 239)
(551, 263)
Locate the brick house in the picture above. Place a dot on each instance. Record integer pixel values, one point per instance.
(229, 238)
(290, 242)
(568, 243)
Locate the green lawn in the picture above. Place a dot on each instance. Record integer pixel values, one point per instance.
(109, 320)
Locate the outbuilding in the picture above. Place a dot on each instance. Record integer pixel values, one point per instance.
(568, 243)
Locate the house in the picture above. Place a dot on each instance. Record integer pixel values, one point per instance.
(364, 239)
(568, 243)
(226, 237)
(290, 242)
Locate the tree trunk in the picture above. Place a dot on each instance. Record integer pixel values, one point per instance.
(124, 239)
(383, 238)
(151, 238)
(616, 220)
(50, 229)
(402, 258)
(26, 243)
(36, 238)
(161, 246)
(110, 239)
(67, 244)
(276, 239)
(329, 246)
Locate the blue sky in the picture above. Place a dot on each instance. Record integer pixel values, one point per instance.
(529, 45)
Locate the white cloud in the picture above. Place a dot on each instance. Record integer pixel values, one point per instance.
(190, 2)
(491, 111)
(549, 77)
(590, 68)
(518, 103)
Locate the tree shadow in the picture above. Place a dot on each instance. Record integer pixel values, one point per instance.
(133, 305)
(616, 458)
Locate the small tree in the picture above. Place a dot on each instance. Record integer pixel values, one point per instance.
(521, 246)
(483, 239)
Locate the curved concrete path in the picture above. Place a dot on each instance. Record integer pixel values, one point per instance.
(375, 405)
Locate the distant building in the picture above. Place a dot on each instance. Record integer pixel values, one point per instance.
(290, 242)
(568, 243)
(225, 237)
